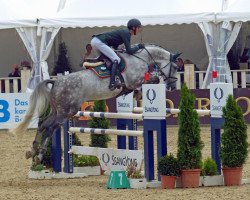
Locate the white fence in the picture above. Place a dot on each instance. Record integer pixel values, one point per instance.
(15, 84)
(241, 79)
(10, 85)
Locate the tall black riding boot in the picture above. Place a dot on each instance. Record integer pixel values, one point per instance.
(113, 83)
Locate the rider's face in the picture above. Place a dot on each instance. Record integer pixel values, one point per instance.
(138, 30)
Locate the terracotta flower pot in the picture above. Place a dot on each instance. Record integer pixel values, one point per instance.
(168, 182)
(232, 176)
(190, 178)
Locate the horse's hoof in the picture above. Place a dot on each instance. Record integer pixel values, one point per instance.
(28, 154)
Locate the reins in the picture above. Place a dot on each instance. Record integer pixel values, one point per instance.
(160, 68)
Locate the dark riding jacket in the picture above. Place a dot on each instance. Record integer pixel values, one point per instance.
(116, 38)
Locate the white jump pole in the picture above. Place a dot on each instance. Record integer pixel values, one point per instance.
(174, 111)
(105, 131)
(109, 115)
(138, 109)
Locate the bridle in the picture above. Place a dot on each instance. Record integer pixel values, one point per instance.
(165, 77)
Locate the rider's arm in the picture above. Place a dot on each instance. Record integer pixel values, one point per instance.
(115, 47)
(129, 49)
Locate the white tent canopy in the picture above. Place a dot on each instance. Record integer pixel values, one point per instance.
(13, 17)
(23, 15)
(90, 13)
(235, 11)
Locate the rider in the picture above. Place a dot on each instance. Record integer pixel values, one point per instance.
(103, 42)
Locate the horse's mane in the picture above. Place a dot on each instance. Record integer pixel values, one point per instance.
(147, 45)
(154, 45)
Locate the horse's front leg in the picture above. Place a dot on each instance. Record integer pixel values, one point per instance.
(138, 94)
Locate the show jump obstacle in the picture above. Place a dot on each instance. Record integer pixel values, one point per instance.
(153, 116)
(154, 119)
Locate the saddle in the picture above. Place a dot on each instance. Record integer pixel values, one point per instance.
(102, 65)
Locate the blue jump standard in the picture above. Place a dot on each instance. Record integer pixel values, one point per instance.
(56, 151)
(160, 127)
(216, 126)
(68, 158)
(132, 140)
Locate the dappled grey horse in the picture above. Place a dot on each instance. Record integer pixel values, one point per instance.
(66, 94)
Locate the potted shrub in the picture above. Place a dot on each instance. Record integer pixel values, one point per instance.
(189, 140)
(234, 145)
(86, 164)
(209, 173)
(39, 171)
(169, 169)
(209, 167)
(89, 165)
(135, 177)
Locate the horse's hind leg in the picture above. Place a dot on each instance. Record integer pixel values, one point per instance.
(48, 126)
(42, 150)
(58, 115)
(35, 145)
(41, 132)
(34, 148)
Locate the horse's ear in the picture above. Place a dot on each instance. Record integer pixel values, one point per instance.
(173, 57)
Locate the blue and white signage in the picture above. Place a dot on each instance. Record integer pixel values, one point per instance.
(154, 101)
(124, 103)
(218, 97)
(13, 107)
(112, 159)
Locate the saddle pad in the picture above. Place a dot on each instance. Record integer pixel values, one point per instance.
(103, 71)
(89, 64)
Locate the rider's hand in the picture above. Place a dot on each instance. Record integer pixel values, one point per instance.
(141, 46)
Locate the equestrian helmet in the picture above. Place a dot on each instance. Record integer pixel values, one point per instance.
(133, 23)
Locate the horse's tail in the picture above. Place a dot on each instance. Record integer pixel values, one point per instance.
(39, 103)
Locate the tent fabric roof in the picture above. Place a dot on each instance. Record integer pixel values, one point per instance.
(24, 13)
(91, 13)
(11, 17)
(237, 10)
(99, 13)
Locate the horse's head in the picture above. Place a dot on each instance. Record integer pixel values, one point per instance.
(166, 63)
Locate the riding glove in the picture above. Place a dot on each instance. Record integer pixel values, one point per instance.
(141, 46)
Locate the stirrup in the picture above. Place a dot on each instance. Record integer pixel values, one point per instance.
(115, 85)
(112, 87)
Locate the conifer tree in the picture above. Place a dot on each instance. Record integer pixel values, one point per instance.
(62, 63)
(189, 139)
(234, 143)
(96, 139)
